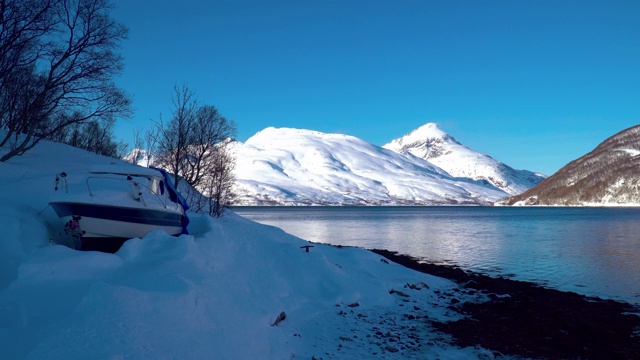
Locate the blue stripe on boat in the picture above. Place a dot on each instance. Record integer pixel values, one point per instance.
(131, 215)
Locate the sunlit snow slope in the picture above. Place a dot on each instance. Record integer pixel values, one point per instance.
(282, 166)
(430, 143)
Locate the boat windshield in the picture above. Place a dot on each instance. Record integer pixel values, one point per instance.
(156, 186)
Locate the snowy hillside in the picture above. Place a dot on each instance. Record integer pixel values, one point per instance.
(299, 167)
(430, 143)
(606, 176)
(211, 295)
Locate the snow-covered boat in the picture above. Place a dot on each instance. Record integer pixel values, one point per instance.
(114, 203)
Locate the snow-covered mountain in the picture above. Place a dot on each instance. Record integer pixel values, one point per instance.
(301, 167)
(608, 175)
(430, 143)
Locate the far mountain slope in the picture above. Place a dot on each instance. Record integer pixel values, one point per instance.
(302, 167)
(608, 175)
(430, 143)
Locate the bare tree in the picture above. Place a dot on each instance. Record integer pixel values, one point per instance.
(138, 147)
(57, 64)
(151, 139)
(93, 135)
(190, 144)
(186, 142)
(209, 130)
(214, 191)
(220, 180)
(173, 136)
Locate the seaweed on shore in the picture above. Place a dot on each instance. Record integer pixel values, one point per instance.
(529, 320)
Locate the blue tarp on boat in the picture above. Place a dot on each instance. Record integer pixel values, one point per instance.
(175, 196)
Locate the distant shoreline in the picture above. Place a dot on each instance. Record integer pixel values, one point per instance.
(526, 319)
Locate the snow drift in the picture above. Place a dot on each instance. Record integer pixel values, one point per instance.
(212, 294)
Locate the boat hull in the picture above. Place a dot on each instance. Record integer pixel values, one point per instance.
(106, 221)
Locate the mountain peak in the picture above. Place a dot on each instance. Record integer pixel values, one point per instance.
(427, 142)
(430, 143)
(425, 134)
(431, 130)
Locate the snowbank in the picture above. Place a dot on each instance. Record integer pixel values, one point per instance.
(213, 294)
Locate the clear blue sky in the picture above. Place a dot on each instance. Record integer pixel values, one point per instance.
(534, 84)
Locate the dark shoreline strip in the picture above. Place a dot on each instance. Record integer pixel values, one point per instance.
(534, 321)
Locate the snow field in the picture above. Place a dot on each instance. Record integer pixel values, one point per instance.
(211, 295)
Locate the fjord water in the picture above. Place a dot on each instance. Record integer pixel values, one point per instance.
(592, 251)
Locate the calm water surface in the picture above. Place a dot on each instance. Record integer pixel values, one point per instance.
(593, 251)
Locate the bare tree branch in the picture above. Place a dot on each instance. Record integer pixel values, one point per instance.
(61, 56)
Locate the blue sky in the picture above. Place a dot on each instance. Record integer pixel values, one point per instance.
(534, 84)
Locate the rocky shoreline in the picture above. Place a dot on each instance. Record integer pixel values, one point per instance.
(528, 320)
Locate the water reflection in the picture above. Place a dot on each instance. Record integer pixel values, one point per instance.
(592, 251)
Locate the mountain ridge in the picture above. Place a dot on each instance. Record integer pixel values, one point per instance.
(607, 175)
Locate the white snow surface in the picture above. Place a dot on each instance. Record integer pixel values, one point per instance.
(213, 294)
(284, 166)
(632, 152)
(430, 143)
